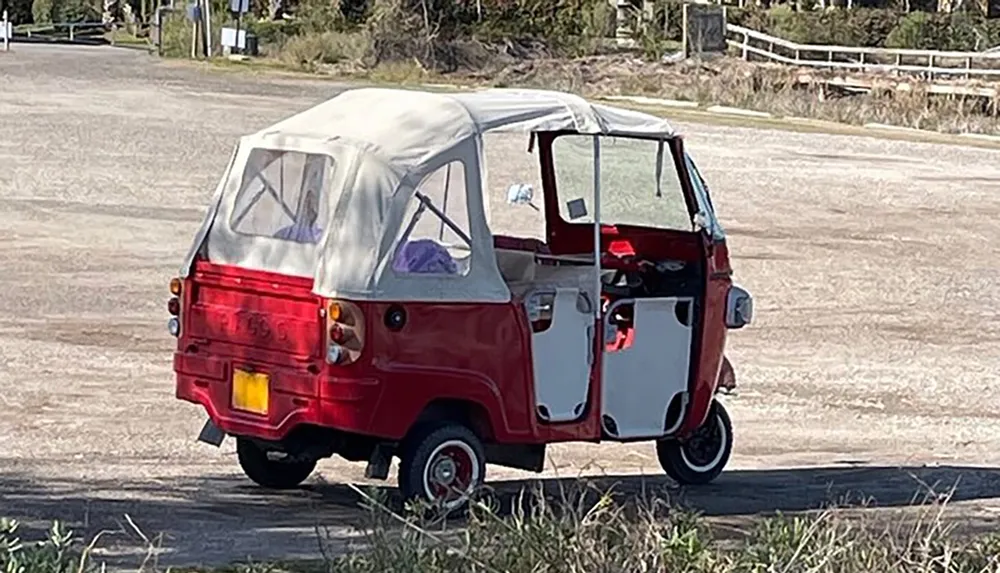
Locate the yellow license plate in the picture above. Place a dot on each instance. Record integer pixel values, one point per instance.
(250, 391)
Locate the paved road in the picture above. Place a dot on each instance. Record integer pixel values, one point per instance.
(875, 352)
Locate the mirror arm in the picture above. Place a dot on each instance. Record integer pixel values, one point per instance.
(659, 169)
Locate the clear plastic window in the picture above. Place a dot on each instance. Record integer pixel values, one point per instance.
(283, 195)
(436, 238)
(515, 198)
(639, 182)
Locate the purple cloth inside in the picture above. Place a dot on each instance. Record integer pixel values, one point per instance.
(424, 256)
(300, 233)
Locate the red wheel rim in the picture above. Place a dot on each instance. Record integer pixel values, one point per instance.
(452, 472)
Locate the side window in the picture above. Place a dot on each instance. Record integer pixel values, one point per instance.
(639, 182)
(283, 195)
(435, 238)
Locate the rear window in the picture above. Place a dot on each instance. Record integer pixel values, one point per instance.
(283, 195)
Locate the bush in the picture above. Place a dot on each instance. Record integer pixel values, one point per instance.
(19, 11)
(175, 37)
(61, 11)
(318, 16)
(274, 32)
(41, 11)
(856, 27)
(307, 51)
(918, 31)
(597, 532)
(60, 552)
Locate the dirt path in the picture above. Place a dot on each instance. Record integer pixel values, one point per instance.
(876, 349)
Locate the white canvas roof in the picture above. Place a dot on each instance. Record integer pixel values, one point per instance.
(382, 146)
(407, 127)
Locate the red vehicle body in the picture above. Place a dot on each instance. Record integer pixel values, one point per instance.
(407, 369)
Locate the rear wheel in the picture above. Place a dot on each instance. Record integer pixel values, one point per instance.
(443, 464)
(274, 470)
(701, 457)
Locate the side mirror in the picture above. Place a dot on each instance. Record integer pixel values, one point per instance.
(700, 222)
(520, 194)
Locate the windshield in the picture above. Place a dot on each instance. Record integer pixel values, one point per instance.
(710, 222)
(639, 183)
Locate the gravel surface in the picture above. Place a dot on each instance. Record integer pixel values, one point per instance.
(873, 364)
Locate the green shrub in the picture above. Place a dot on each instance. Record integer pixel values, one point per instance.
(274, 32)
(793, 26)
(856, 27)
(318, 16)
(576, 532)
(41, 11)
(62, 11)
(310, 50)
(19, 11)
(175, 37)
(60, 552)
(917, 31)
(572, 27)
(971, 31)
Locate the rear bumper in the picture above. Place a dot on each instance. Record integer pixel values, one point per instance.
(295, 399)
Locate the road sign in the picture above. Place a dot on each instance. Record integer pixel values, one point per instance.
(704, 29)
(233, 38)
(194, 12)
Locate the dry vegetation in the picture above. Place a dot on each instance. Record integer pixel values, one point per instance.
(588, 530)
(395, 42)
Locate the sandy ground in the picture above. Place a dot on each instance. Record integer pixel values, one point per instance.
(873, 364)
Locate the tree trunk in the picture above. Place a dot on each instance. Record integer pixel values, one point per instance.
(108, 14)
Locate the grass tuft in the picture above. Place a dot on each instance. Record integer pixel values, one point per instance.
(583, 529)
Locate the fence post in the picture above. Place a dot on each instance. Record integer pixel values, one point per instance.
(6, 31)
(746, 42)
(862, 61)
(71, 36)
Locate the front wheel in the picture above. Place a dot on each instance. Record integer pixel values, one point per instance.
(443, 464)
(279, 473)
(701, 457)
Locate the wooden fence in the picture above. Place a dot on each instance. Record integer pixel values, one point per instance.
(929, 63)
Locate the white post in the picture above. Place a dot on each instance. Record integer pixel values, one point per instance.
(597, 235)
(6, 30)
(207, 15)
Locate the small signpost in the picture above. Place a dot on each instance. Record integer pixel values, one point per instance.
(6, 31)
(195, 17)
(237, 39)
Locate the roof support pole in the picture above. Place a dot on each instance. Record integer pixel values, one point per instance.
(597, 230)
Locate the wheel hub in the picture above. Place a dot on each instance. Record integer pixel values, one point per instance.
(451, 472)
(444, 471)
(704, 444)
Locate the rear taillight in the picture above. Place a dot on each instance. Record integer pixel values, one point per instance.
(174, 307)
(345, 332)
(337, 334)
